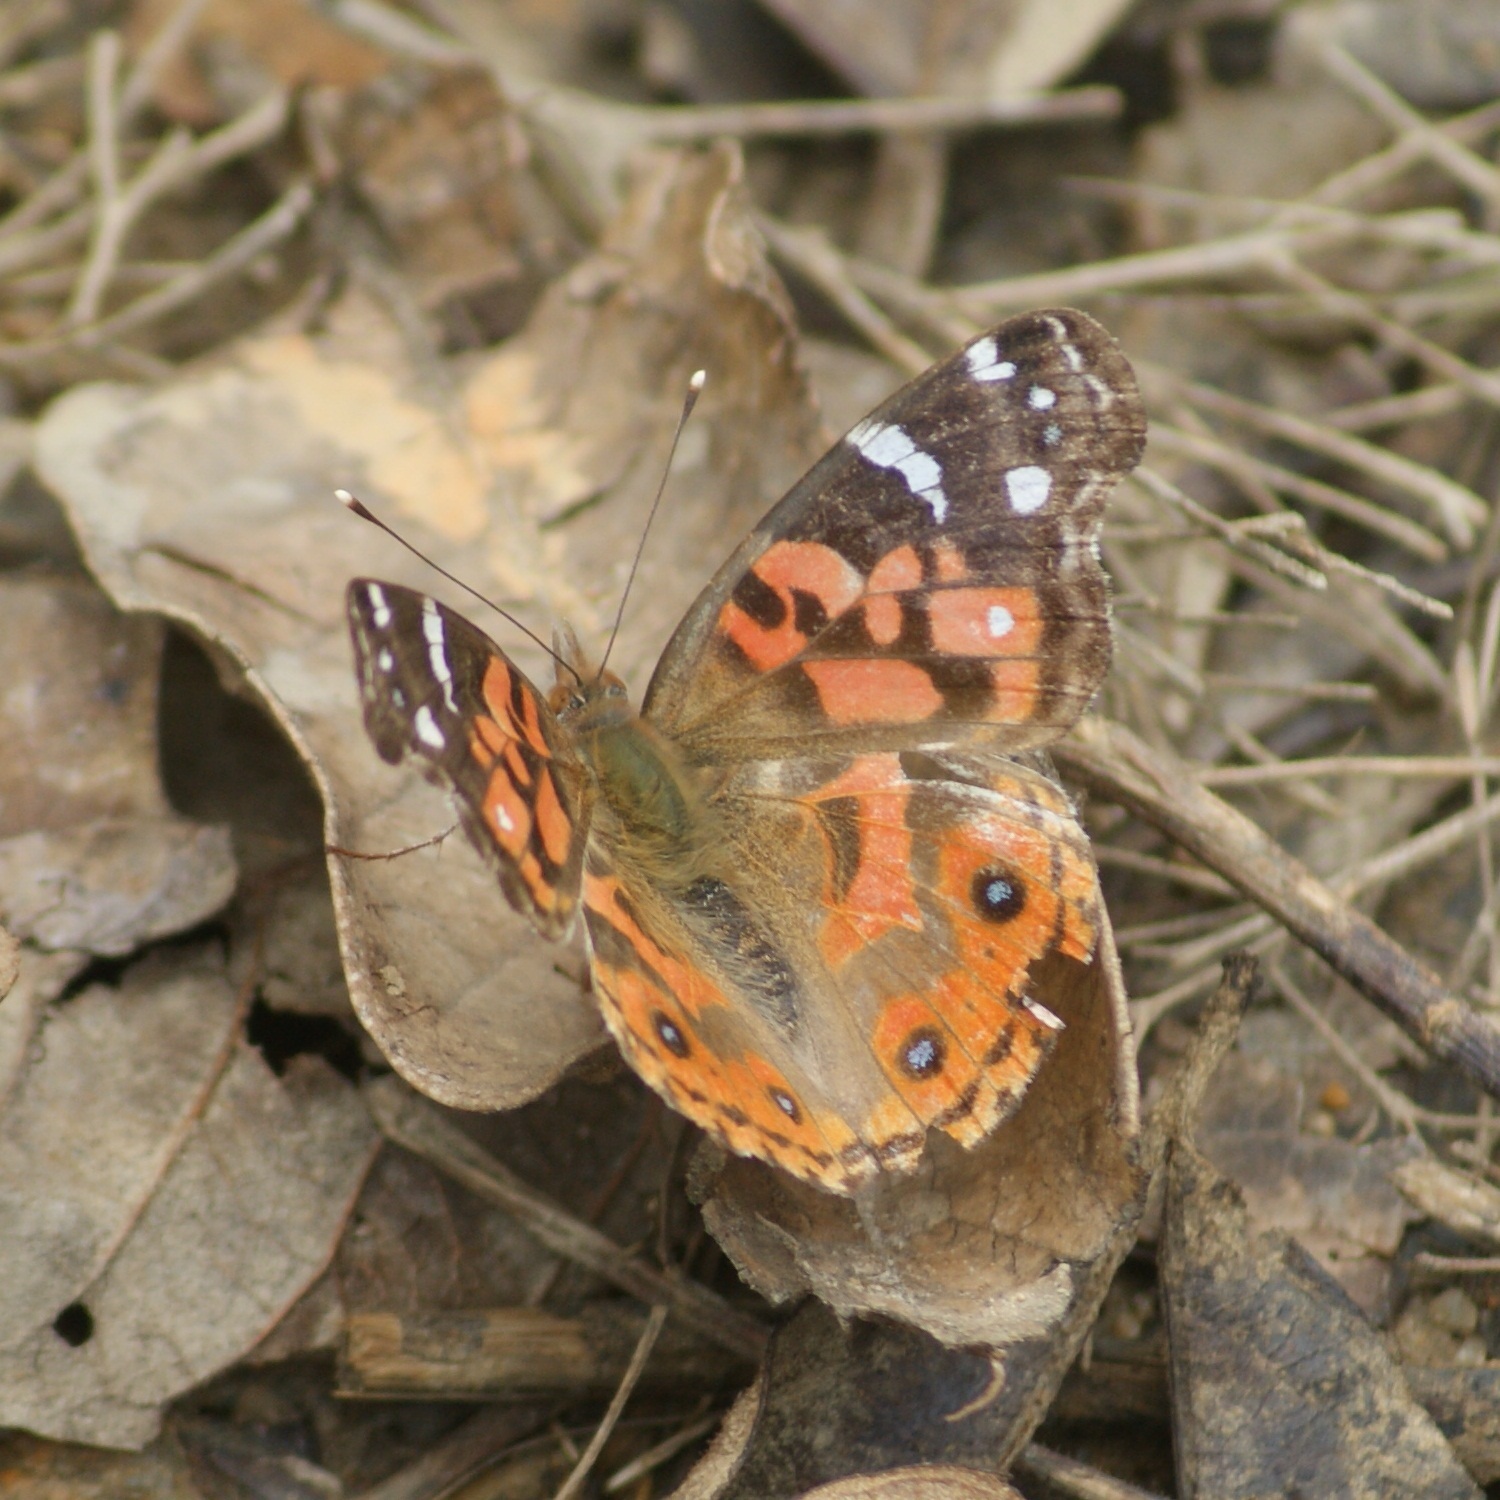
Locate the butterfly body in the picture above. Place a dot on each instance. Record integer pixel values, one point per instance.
(816, 868)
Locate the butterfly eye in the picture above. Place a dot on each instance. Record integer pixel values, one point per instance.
(576, 701)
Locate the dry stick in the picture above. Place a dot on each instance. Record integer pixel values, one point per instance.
(1234, 535)
(1481, 383)
(66, 185)
(175, 163)
(1401, 1109)
(103, 155)
(1397, 411)
(178, 160)
(1070, 1476)
(1374, 172)
(1229, 256)
(408, 1120)
(1398, 767)
(1240, 465)
(1194, 877)
(464, 1451)
(812, 253)
(1158, 788)
(586, 1460)
(1456, 1265)
(1257, 932)
(1377, 632)
(1467, 169)
(28, 85)
(279, 221)
(817, 117)
(653, 1458)
(1457, 507)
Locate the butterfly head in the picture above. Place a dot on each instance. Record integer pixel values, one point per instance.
(584, 697)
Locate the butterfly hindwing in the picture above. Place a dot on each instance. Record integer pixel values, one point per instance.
(934, 578)
(435, 687)
(854, 969)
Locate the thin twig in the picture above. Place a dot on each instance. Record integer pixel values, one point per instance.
(586, 1460)
(1158, 788)
(813, 254)
(1398, 767)
(1456, 1265)
(410, 1121)
(1071, 1476)
(1237, 464)
(279, 221)
(1467, 169)
(1459, 509)
(654, 1457)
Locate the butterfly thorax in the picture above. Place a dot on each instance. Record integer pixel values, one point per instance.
(650, 799)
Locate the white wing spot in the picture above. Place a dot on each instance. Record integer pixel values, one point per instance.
(1028, 488)
(1042, 1014)
(891, 447)
(1000, 621)
(984, 362)
(384, 660)
(437, 651)
(380, 611)
(1052, 434)
(427, 730)
(1069, 350)
(503, 820)
(1041, 399)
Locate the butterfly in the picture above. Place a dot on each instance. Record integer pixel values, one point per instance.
(816, 868)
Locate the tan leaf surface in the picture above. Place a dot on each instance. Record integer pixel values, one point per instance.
(209, 501)
(162, 1182)
(92, 857)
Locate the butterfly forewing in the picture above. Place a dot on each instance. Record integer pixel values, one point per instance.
(934, 578)
(437, 688)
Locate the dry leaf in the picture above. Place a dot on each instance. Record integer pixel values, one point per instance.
(91, 855)
(1263, 1343)
(37, 1470)
(166, 1199)
(885, 1398)
(246, 46)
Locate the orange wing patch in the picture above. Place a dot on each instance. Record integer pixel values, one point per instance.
(997, 876)
(673, 1022)
(762, 618)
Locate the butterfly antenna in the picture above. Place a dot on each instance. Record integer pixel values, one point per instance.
(694, 390)
(363, 511)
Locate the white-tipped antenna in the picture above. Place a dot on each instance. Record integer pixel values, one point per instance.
(696, 381)
(363, 511)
